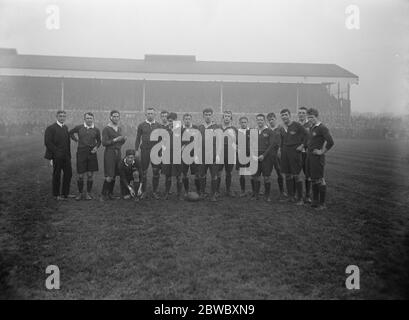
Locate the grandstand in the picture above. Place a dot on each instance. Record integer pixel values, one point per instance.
(30, 83)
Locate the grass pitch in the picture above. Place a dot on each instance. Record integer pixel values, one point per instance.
(232, 249)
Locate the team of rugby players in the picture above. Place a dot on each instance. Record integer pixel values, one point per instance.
(295, 150)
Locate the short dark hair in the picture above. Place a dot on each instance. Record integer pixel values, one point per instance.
(172, 116)
(113, 112)
(241, 118)
(261, 115)
(187, 115)
(164, 111)
(151, 108)
(208, 110)
(88, 114)
(285, 110)
(303, 108)
(130, 152)
(60, 112)
(312, 112)
(271, 115)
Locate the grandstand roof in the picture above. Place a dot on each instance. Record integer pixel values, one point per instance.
(172, 65)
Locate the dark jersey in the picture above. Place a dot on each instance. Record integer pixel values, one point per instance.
(293, 135)
(202, 129)
(126, 171)
(232, 132)
(268, 142)
(108, 136)
(192, 130)
(88, 138)
(143, 135)
(318, 135)
(307, 126)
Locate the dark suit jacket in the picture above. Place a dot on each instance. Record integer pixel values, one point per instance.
(57, 142)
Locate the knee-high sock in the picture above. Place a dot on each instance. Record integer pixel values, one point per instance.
(228, 182)
(144, 181)
(155, 183)
(179, 187)
(267, 188)
(105, 188)
(80, 184)
(197, 185)
(89, 185)
(202, 185)
(219, 179)
(186, 183)
(299, 189)
(253, 186)
(242, 183)
(280, 182)
(290, 186)
(307, 188)
(168, 183)
(323, 193)
(315, 193)
(111, 187)
(213, 187)
(257, 186)
(294, 186)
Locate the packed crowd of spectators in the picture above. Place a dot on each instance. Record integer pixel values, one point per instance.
(29, 121)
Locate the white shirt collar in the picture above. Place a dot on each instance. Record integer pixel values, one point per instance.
(116, 128)
(89, 127)
(126, 164)
(59, 123)
(190, 127)
(317, 124)
(208, 125)
(260, 130)
(150, 123)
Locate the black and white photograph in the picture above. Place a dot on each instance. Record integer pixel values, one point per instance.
(227, 151)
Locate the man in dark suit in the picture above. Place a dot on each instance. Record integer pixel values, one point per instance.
(58, 151)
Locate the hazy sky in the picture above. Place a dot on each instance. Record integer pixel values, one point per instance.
(231, 30)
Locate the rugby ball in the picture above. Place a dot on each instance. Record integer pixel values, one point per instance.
(192, 196)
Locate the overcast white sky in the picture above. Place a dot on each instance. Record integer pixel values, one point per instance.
(231, 30)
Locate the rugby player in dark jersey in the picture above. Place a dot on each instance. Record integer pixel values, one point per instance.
(145, 145)
(293, 140)
(229, 143)
(319, 142)
(303, 120)
(112, 140)
(89, 140)
(245, 131)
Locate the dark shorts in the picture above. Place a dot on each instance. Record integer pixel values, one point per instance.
(112, 158)
(291, 160)
(192, 167)
(315, 166)
(86, 161)
(172, 170)
(265, 167)
(228, 167)
(213, 168)
(276, 164)
(146, 160)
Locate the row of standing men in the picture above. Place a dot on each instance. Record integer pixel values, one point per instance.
(289, 148)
